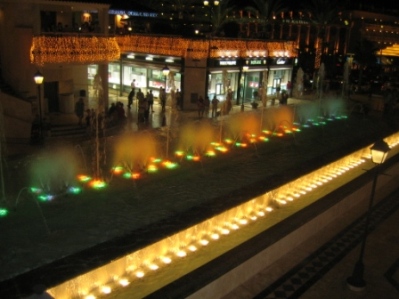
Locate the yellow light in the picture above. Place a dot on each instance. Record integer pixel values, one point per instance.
(215, 236)
(139, 274)
(192, 248)
(124, 282)
(225, 231)
(181, 253)
(73, 49)
(153, 267)
(204, 242)
(166, 260)
(106, 290)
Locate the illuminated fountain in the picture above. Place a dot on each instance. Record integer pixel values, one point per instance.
(54, 173)
(158, 264)
(195, 140)
(134, 153)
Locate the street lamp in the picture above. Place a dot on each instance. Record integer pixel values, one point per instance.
(379, 153)
(38, 77)
(245, 69)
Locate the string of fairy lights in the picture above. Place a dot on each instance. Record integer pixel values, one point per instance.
(77, 49)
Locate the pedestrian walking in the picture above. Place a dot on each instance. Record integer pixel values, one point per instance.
(162, 97)
(130, 98)
(150, 99)
(201, 107)
(215, 103)
(207, 104)
(80, 110)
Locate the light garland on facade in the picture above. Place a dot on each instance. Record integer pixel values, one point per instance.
(73, 49)
(78, 49)
(199, 49)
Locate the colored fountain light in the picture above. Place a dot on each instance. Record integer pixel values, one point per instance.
(169, 164)
(195, 158)
(118, 169)
(84, 178)
(152, 168)
(210, 153)
(36, 190)
(179, 153)
(74, 190)
(241, 144)
(97, 184)
(3, 212)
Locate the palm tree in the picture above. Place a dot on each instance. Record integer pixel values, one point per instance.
(321, 13)
(219, 16)
(365, 57)
(266, 11)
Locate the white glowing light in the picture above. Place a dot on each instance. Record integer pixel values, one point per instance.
(106, 290)
(166, 260)
(192, 248)
(243, 221)
(225, 231)
(140, 274)
(215, 236)
(235, 226)
(261, 213)
(181, 253)
(204, 242)
(90, 297)
(269, 209)
(153, 267)
(124, 282)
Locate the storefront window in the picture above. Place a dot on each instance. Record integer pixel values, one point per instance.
(220, 83)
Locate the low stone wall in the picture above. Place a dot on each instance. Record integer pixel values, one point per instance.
(353, 203)
(17, 117)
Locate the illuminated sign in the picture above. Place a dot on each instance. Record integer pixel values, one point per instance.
(257, 62)
(133, 13)
(281, 61)
(227, 62)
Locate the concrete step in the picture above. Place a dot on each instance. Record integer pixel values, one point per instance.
(68, 131)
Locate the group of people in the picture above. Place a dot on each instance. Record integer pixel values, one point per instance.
(203, 106)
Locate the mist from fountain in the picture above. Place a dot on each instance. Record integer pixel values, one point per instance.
(196, 138)
(135, 150)
(54, 170)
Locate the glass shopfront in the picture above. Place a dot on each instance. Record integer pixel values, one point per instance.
(223, 78)
(148, 75)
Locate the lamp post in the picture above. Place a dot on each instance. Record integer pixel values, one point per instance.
(379, 153)
(38, 77)
(244, 70)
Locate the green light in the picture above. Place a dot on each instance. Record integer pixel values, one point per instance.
(45, 197)
(3, 212)
(157, 160)
(189, 157)
(171, 165)
(127, 175)
(36, 190)
(74, 190)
